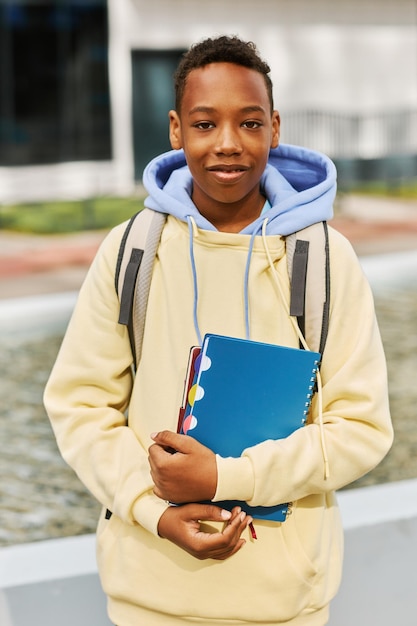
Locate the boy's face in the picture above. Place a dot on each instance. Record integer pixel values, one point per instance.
(226, 129)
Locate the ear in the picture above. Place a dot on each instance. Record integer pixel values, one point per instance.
(175, 136)
(276, 125)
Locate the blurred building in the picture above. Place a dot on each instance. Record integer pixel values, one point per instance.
(85, 85)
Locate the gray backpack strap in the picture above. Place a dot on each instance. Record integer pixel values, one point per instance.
(134, 271)
(308, 261)
(133, 276)
(308, 267)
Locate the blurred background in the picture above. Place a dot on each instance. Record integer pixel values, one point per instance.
(85, 86)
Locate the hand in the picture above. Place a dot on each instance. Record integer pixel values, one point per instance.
(182, 525)
(188, 475)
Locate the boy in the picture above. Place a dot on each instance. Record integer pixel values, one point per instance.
(225, 181)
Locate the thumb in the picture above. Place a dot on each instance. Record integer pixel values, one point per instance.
(171, 440)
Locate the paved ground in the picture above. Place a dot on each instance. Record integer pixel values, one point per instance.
(31, 265)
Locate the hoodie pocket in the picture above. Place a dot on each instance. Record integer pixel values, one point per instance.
(297, 556)
(313, 539)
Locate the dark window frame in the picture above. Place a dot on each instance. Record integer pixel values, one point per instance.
(54, 83)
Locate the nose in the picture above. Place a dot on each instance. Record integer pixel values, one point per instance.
(227, 140)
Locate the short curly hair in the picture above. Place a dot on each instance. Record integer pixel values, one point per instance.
(223, 49)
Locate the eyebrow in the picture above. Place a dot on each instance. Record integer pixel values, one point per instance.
(206, 109)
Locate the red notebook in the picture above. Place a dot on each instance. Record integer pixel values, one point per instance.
(192, 367)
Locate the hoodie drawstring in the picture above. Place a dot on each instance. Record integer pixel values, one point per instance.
(192, 229)
(305, 346)
(246, 285)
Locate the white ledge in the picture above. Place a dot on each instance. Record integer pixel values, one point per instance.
(54, 559)
(378, 504)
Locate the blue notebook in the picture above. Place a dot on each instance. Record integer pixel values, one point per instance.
(246, 392)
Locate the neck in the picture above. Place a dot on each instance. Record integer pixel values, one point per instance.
(231, 217)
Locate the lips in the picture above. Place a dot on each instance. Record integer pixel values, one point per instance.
(227, 173)
(227, 168)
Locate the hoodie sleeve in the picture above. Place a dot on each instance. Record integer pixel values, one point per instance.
(87, 396)
(357, 425)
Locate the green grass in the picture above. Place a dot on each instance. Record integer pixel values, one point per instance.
(103, 213)
(68, 216)
(406, 191)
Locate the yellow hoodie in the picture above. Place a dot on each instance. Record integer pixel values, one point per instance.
(292, 571)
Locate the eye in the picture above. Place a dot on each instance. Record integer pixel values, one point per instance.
(252, 124)
(203, 125)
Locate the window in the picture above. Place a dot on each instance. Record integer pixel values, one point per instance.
(153, 97)
(54, 90)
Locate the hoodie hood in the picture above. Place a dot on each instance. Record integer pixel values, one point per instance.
(300, 185)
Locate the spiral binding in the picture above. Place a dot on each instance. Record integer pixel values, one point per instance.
(311, 391)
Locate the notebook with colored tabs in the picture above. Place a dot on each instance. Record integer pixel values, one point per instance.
(246, 392)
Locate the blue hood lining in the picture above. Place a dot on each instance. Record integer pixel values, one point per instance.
(299, 183)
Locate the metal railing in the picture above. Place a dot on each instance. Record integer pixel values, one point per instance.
(352, 136)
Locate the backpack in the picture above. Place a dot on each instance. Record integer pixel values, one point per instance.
(308, 267)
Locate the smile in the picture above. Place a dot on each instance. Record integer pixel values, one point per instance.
(227, 173)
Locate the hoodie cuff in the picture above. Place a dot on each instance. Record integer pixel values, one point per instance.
(235, 480)
(147, 512)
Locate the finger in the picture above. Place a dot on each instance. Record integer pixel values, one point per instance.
(154, 451)
(210, 513)
(222, 553)
(158, 455)
(235, 522)
(236, 525)
(223, 545)
(235, 511)
(155, 460)
(204, 545)
(172, 441)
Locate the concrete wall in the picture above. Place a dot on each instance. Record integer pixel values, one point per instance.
(379, 580)
(55, 582)
(51, 582)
